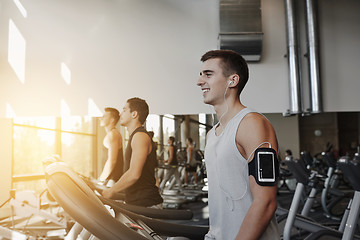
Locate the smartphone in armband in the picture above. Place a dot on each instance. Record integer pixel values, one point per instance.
(266, 167)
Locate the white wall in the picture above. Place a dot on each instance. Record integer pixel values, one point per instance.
(151, 49)
(114, 49)
(340, 51)
(287, 133)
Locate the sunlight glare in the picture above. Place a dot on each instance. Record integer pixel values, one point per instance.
(18, 236)
(10, 111)
(64, 109)
(168, 124)
(67, 139)
(21, 8)
(70, 123)
(66, 73)
(45, 122)
(153, 123)
(16, 51)
(93, 109)
(46, 136)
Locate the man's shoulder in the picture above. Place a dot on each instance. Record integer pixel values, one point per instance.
(114, 134)
(254, 119)
(254, 125)
(141, 137)
(253, 130)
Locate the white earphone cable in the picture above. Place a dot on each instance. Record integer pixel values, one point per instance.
(257, 148)
(227, 106)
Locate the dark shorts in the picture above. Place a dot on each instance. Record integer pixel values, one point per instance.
(190, 168)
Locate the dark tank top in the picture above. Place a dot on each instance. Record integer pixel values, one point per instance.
(143, 192)
(174, 161)
(117, 172)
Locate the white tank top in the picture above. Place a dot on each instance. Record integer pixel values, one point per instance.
(228, 179)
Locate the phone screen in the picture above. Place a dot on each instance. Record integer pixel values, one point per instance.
(266, 166)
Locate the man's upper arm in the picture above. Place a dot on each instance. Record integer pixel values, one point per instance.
(113, 146)
(140, 150)
(256, 131)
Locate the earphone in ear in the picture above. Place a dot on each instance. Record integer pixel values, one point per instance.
(231, 82)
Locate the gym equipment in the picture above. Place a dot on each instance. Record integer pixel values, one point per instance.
(78, 200)
(312, 229)
(6, 233)
(332, 197)
(96, 185)
(304, 178)
(33, 216)
(352, 171)
(27, 204)
(175, 197)
(284, 175)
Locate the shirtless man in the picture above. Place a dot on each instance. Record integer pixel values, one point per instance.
(113, 167)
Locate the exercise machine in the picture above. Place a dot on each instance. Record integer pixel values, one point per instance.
(332, 197)
(311, 229)
(88, 210)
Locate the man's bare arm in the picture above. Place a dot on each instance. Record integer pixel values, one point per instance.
(253, 131)
(141, 147)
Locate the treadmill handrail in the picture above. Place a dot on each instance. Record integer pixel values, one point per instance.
(58, 173)
(62, 167)
(152, 212)
(163, 227)
(85, 209)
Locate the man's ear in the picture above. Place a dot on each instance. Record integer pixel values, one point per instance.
(234, 79)
(112, 120)
(134, 114)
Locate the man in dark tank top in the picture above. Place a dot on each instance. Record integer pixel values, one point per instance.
(138, 180)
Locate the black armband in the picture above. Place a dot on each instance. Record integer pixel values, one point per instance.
(264, 167)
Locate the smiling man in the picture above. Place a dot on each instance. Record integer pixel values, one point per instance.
(241, 205)
(138, 180)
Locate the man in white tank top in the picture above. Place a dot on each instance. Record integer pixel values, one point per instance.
(239, 208)
(113, 167)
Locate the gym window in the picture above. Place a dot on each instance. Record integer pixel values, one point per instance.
(72, 138)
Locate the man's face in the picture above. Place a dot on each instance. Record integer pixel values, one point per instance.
(212, 81)
(125, 116)
(106, 119)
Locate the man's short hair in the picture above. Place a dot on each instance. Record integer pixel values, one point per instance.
(288, 151)
(172, 139)
(114, 113)
(231, 63)
(140, 106)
